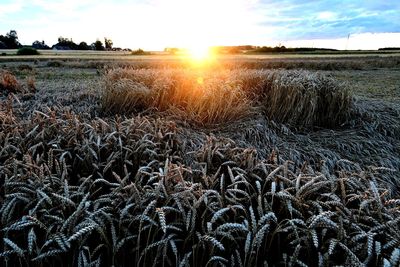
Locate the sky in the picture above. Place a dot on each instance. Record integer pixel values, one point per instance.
(156, 24)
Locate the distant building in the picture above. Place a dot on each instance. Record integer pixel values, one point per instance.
(60, 47)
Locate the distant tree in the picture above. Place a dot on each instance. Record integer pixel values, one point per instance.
(12, 35)
(40, 45)
(108, 43)
(233, 50)
(65, 43)
(98, 45)
(171, 50)
(10, 41)
(83, 46)
(389, 48)
(140, 52)
(281, 48)
(64, 40)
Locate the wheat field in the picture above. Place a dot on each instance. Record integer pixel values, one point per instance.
(254, 162)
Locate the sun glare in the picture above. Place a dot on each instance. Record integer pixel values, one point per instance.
(197, 25)
(199, 53)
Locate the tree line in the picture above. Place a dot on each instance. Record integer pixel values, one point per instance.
(10, 41)
(68, 44)
(240, 49)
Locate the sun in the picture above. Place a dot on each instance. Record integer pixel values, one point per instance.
(199, 53)
(196, 25)
(199, 50)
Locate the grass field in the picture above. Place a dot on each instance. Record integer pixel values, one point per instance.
(111, 159)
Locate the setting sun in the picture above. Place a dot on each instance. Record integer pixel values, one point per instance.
(197, 25)
(199, 53)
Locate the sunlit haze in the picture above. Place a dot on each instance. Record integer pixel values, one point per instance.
(195, 25)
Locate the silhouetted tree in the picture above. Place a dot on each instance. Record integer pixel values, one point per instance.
(83, 46)
(98, 45)
(108, 43)
(10, 41)
(40, 45)
(65, 43)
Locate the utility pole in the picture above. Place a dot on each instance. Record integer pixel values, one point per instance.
(347, 42)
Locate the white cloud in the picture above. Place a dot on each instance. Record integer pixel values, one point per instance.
(365, 41)
(327, 15)
(154, 24)
(373, 40)
(9, 8)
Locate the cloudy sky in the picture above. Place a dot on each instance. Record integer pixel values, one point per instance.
(155, 24)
